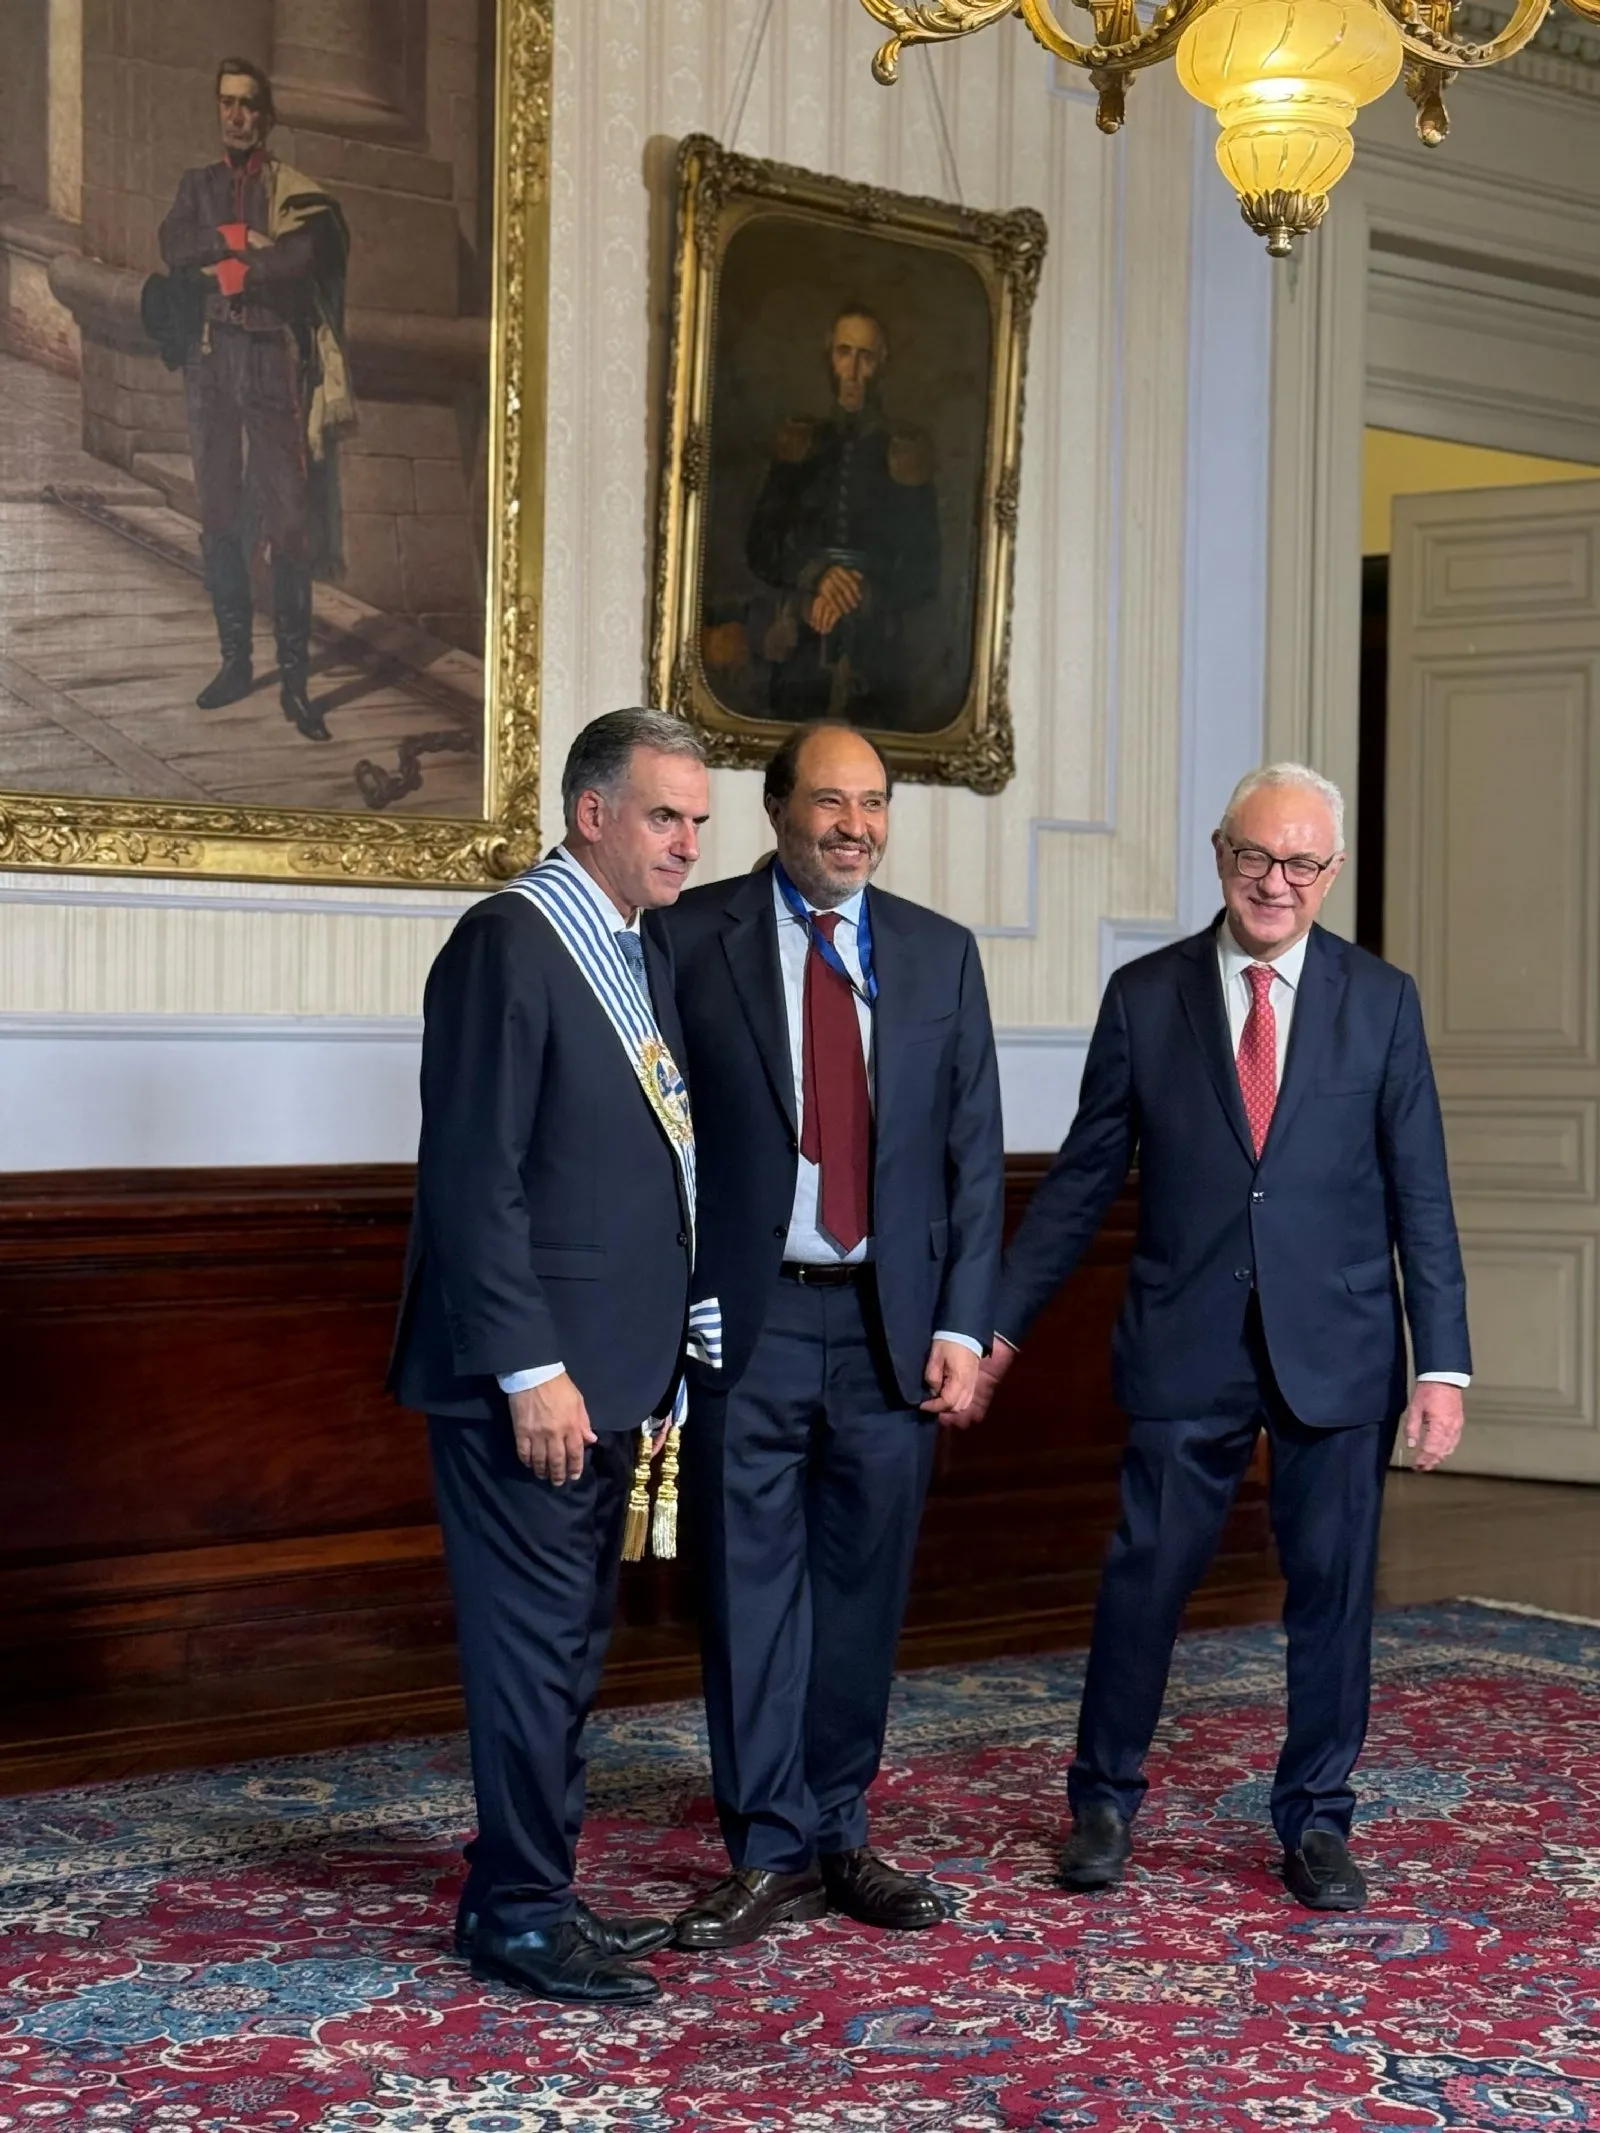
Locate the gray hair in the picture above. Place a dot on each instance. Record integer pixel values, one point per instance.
(601, 756)
(1297, 774)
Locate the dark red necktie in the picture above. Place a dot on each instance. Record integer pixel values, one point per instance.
(836, 1113)
(1258, 1056)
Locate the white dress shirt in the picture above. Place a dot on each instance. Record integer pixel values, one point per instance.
(542, 1373)
(808, 1243)
(1237, 996)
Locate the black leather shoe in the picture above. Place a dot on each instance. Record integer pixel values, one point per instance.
(745, 1904)
(627, 1938)
(1098, 1849)
(867, 1888)
(559, 1963)
(1322, 1875)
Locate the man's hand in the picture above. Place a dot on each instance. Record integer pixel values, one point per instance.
(838, 594)
(257, 241)
(950, 1374)
(551, 1426)
(1433, 1423)
(990, 1371)
(228, 274)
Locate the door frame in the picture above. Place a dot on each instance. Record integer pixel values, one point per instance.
(1424, 237)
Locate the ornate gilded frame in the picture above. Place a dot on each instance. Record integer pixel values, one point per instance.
(161, 837)
(717, 192)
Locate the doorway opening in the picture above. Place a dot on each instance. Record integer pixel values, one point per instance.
(1399, 463)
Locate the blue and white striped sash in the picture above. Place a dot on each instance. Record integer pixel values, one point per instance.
(592, 945)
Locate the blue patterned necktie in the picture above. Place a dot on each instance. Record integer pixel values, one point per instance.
(633, 955)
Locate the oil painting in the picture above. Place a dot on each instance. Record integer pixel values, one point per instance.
(839, 507)
(269, 521)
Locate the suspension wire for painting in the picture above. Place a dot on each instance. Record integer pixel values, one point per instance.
(941, 128)
(744, 80)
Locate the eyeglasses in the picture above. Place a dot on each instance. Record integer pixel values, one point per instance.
(1255, 865)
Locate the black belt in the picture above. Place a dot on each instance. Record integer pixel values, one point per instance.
(823, 1277)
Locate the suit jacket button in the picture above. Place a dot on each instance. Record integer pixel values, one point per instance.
(683, 1236)
(1241, 1273)
(779, 1231)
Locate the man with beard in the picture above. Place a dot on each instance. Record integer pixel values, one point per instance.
(851, 1184)
(264, 365)
(846, 532)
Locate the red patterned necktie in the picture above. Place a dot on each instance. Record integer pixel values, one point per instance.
(836, 1122)
(1258, 1056)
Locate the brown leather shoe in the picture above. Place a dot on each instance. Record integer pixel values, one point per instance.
(746, 1903)
(866, 1887)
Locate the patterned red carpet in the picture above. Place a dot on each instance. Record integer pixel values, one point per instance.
(266, 1947)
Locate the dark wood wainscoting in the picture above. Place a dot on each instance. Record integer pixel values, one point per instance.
(216, 1533)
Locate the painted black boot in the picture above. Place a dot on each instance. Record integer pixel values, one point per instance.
(291, 617)
(228, 582)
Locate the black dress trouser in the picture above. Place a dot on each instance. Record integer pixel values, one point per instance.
(805, 1483)
(533, 1570)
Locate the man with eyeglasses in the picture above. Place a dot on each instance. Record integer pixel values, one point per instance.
(1274, 1083)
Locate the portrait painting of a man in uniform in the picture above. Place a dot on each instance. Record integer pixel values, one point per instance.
(846, 533)
(253, 520)
(259, 253)
(844, 442)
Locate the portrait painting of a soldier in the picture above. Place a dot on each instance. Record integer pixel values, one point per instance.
(253, 308)
(830, 543)
(845, 533)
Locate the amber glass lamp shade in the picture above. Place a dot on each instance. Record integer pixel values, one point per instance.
(1286, 79)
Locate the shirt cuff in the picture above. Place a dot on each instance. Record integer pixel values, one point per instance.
(962, 1340)
(525, 1380)
(1444, 1377)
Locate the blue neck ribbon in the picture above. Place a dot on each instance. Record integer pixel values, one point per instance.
(868, 988)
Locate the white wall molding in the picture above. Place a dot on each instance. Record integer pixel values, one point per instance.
(92, 1091)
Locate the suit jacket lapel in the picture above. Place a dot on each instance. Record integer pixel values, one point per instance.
(891, 963)
(750, 943)
(1323, 978)
(1200, 989)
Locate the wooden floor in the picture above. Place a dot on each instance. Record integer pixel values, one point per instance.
(1445, 1536)
(1534, 1542)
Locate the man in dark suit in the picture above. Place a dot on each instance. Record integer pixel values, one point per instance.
(1274, 1083)
(543, 1320)
(851, 1180)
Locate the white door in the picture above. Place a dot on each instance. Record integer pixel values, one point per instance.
(1492, 902)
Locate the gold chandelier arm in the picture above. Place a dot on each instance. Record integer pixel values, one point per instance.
(927, 22)
(1111, 54)
(1588, 9)
(1436, 47)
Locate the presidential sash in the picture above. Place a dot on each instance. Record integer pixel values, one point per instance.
(554, 888)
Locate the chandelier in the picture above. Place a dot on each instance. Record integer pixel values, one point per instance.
(1285, 77)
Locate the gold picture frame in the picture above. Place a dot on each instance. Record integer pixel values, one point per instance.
(771, 262)
(499, 835)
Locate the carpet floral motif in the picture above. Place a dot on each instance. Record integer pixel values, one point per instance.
(265, 1948)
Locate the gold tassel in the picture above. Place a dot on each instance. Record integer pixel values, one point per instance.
(664, 1528)
(636, 1528)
